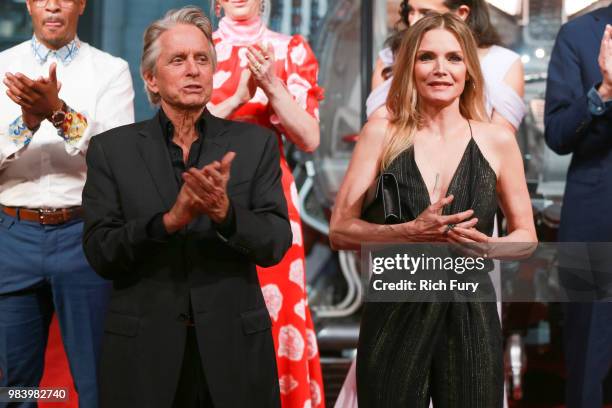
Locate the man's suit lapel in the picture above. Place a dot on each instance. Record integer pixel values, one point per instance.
(154, 152)
(215, 145)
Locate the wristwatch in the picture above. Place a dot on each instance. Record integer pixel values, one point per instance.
(58, 116)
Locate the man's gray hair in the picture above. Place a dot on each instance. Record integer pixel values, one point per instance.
(187, 15)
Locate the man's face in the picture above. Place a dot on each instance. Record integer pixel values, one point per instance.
(55, 21)
(184, 68)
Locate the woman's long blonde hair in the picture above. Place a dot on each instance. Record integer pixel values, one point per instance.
(404, 103)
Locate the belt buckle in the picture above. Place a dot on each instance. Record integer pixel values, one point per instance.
(43, 213)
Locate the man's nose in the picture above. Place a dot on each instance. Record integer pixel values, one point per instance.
(192, 67)
(52, 6)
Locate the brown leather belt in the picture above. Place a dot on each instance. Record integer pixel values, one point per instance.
(44, 216)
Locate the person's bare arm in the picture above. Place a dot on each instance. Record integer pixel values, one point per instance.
(349, 231)
(377, 77)
(515, 79)
(299, 126)
(511, 191)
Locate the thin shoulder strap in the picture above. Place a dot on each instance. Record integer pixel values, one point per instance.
(470, 126)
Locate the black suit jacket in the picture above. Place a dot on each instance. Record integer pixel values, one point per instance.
(129, 181)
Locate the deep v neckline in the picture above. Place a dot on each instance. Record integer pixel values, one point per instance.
(452, 182)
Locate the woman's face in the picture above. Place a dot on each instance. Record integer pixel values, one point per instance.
(420, 8)
(240, 9)
(439, 70)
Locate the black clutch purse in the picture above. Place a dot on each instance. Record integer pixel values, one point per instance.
(382, 204)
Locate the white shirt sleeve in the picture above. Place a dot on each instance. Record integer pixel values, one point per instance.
(114, 108)
(14, 139)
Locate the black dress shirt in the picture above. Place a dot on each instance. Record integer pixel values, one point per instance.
(156, 228)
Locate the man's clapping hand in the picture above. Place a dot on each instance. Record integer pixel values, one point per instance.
(38, 98)
(605, 64)
(203, 193)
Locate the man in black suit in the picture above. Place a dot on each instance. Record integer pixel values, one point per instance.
(578, 120)
(178, 211)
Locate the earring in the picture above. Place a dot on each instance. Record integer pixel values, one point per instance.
(217, 9)
(262, 8)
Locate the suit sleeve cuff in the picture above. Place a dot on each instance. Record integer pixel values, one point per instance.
(227, 227)
(597, 106)
(156, 229)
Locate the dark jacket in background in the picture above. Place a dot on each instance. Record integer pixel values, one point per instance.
(571, 128)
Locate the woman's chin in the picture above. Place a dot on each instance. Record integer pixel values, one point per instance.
(438, 101)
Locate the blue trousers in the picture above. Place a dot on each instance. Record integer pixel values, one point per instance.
(588, 352)
(42, 269)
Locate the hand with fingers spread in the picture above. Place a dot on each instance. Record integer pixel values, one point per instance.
(38, 98)
(431, 225)
(203, 193)
(262, 65)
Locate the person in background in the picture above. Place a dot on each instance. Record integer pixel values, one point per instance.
(270, 79)
(57, 92)
(453, 168)
(501, 67)
(578, 120)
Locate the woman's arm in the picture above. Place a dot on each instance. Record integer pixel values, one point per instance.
(502, 152)
(377, 77)
(512, 192)
(514, 201)
(514, 79)
(349, 231)
(298, 125)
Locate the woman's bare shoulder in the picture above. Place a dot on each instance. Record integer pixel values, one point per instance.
(494, 135)
(376, 130)
(495, 142)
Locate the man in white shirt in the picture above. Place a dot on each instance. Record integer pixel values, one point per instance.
(56, 94)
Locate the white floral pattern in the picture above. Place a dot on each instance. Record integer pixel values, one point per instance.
(259, 97)
(219, 78)
(311, 341)
(296, 272)
(290, 343)
(273, 298)
(287, 384)
(315, 392)
(298, 54)
(242, 55)
(298, 87)
(296, 231)
(295, 197)
(224, 51)
(300, 309)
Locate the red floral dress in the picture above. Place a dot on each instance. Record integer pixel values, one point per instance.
(283, 285)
